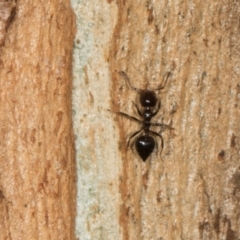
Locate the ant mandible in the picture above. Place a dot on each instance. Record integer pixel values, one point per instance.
(145, 143)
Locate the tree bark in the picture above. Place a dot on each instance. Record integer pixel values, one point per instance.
(37, 161)
(192, 189)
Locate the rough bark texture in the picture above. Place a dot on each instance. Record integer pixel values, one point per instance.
(193, 191)
(37, 166)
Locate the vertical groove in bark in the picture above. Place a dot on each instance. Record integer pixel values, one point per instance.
(194, 192)
(37, 166)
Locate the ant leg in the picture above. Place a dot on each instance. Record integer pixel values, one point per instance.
(162, 87)
(162, 143)
(139, 112)
(162, 129)
(162, 125)
(128, 116)
(158, 107)
(125, 76)
(133, 135)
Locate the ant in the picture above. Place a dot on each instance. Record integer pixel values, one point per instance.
(145, 143)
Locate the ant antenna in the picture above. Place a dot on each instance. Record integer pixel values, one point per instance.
(162, 87)
(125, 76)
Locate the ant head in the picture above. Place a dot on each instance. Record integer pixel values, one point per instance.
(148, 98)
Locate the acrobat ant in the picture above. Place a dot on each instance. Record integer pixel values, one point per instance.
(145, 143)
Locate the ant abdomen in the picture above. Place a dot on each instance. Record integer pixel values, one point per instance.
(144, 145)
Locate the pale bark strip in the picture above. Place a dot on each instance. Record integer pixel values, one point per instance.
(98, 162)
(194, 192)
(37, 166)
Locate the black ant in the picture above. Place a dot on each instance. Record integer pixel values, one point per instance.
(145, 143)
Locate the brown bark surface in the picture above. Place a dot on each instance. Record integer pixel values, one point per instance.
(193, 190)
(37, 166)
